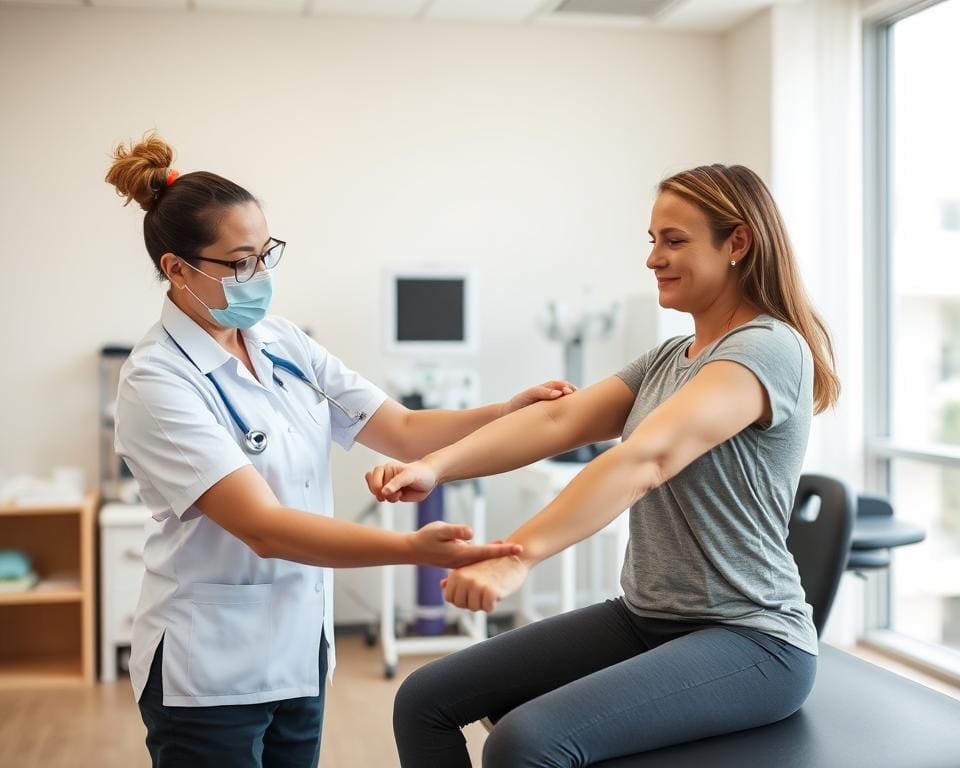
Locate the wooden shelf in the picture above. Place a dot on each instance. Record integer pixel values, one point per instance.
(46, 591)
(41, 672)
(46, 509)
(47, 637)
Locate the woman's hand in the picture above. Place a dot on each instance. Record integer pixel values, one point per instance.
(402, 482)
(446, 545)
(481, 586)
(549, 390)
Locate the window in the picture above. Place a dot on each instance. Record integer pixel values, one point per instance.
(915, 445)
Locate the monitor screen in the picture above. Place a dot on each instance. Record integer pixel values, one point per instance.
(430, 309)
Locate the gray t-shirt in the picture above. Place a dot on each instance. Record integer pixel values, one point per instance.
(710, 544)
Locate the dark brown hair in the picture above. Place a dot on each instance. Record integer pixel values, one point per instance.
(733, 195)
(181, 217)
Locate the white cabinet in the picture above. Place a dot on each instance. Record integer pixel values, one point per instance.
(122, 536)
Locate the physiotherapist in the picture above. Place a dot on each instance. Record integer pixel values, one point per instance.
(225, 417)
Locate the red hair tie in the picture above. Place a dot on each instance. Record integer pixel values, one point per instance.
(172, 176)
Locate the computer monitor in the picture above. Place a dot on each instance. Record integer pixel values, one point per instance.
(430, 311)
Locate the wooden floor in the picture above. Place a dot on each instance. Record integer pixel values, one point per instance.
(100, 726)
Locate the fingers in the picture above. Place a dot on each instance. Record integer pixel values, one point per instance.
(371, 483)
(553, 390)
(449, 584)
(463, 592)
(475, 598)
(445, 533)
(489, 601)
(376, 479)
(564, 387)
(461, 532)
(489, 551)
(460, 593)
(454, 589)
(546, 392)
(397, 482)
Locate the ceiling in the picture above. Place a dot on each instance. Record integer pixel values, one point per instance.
(705, 15)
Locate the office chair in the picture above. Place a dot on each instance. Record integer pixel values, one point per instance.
(819, 539)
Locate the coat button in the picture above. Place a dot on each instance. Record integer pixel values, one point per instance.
(318, 587)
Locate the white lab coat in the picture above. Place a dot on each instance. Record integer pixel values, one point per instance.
(237, 628)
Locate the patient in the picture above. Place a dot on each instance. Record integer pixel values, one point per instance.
(712, 633)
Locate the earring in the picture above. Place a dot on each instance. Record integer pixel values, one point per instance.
(733, 263)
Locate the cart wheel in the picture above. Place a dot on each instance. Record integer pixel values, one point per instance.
(390, 671)
(370, 636)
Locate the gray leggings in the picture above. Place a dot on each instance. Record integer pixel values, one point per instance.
(597, 683)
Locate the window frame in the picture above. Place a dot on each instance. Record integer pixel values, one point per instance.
(881, 447)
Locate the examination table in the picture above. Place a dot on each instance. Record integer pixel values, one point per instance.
(857, 716)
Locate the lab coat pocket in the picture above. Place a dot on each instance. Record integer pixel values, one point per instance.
(231, 634)
(320, 413)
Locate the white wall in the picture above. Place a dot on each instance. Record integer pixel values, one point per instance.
(531, 153)
(748, 93)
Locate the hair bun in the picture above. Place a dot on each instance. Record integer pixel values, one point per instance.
(139, 171)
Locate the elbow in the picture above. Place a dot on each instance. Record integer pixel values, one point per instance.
(645, 477)
(558, 424)
(265, 553)
(262, 546)
(404, 452)
(407, 455)
(553, 411)
(653, 475)
(646, 471)
(404, 446)
(255, 521)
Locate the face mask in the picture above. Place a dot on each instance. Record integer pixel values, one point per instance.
(247, 303)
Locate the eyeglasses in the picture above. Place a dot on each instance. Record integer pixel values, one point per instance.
(246, 267)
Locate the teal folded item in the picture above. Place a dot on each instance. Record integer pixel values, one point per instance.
(14, 564)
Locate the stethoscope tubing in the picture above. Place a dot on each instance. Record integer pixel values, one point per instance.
(255, 440)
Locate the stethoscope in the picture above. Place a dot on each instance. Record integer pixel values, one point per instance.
(255, 440)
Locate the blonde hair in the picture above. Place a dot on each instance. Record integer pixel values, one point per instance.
(733, 195)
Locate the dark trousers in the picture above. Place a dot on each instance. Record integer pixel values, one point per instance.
(597, 683)
(274, 734)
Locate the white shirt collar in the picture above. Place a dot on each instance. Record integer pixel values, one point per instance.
(200, 345)
(260, 334)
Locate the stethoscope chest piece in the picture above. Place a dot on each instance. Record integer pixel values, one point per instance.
(255, 441)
